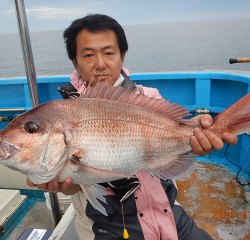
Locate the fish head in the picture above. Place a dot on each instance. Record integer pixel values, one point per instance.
(34, 143)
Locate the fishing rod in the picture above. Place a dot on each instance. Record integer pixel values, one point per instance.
(239, 60)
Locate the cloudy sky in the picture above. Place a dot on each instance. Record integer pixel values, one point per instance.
(58, 14)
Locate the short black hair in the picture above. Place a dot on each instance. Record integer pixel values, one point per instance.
(93, 23)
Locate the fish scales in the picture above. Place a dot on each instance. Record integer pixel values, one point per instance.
(128, 135)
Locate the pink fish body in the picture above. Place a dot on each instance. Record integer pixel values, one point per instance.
(108, 134)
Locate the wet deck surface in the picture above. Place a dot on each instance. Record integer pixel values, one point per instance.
(209, 194)
(39, 216)
(215, 200)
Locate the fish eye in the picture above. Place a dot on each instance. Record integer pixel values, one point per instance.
(31, 127)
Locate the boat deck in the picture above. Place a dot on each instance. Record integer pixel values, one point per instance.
(39, 216)
(216, 201)
(209, 194)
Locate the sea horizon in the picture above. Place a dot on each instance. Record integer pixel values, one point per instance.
(163, 47)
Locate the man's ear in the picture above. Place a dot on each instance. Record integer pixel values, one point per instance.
(75, 65)
(122, 59)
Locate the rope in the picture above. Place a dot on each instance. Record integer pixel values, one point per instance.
(240, 169)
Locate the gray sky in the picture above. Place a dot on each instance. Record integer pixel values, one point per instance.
(58, 14)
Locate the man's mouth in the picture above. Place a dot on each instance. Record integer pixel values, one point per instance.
(101, 76)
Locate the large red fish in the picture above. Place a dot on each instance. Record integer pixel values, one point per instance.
(108, 134)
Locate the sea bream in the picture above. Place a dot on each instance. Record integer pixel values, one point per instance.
(107, 134)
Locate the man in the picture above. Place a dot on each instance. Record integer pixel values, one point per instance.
(97, 46)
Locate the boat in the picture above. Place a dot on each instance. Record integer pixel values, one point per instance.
(214, 192)
(218, 202)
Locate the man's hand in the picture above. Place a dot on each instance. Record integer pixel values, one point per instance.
(204, 142)
(66, 187)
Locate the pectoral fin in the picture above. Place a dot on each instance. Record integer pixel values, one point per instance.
(94, 192)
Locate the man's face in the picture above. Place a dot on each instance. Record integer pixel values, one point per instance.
(98, 55)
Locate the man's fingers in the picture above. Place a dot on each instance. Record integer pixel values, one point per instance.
(205, 120)
(203, 140)
(230, 138)
(197, 149)
(43, 186)
(31, 184)
(65, 185)
(54, 185)
(215, 142)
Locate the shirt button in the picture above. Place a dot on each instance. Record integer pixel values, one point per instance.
(141, 214)
(165, 210)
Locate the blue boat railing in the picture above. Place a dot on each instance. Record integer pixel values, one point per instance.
(212, 90)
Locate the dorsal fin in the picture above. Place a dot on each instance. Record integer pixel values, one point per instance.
(126, 95)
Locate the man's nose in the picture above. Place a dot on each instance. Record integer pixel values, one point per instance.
(100, 63)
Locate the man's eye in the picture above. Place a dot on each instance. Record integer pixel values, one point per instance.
(88, 55)
(109, 53)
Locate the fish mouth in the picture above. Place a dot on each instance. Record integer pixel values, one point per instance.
(7, 150)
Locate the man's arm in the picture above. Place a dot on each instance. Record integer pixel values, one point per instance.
(66, 187)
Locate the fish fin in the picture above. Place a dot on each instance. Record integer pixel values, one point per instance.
(191, 122)
(100, 175)
(174, 168)
(94, 192)
(241, 128)
(236, 118)
(76, 157)
(126, 95)
(79, 154)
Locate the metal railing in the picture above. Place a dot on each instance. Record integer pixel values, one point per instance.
(11, 109)
(31, 77)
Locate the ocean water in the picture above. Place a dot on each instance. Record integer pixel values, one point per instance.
(158, 47)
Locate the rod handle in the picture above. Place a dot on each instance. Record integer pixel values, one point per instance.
(239, 60)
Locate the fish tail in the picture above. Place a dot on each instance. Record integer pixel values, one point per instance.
(235, 119)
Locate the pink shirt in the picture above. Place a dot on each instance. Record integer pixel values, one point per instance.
(153, 209)
(80, 85)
